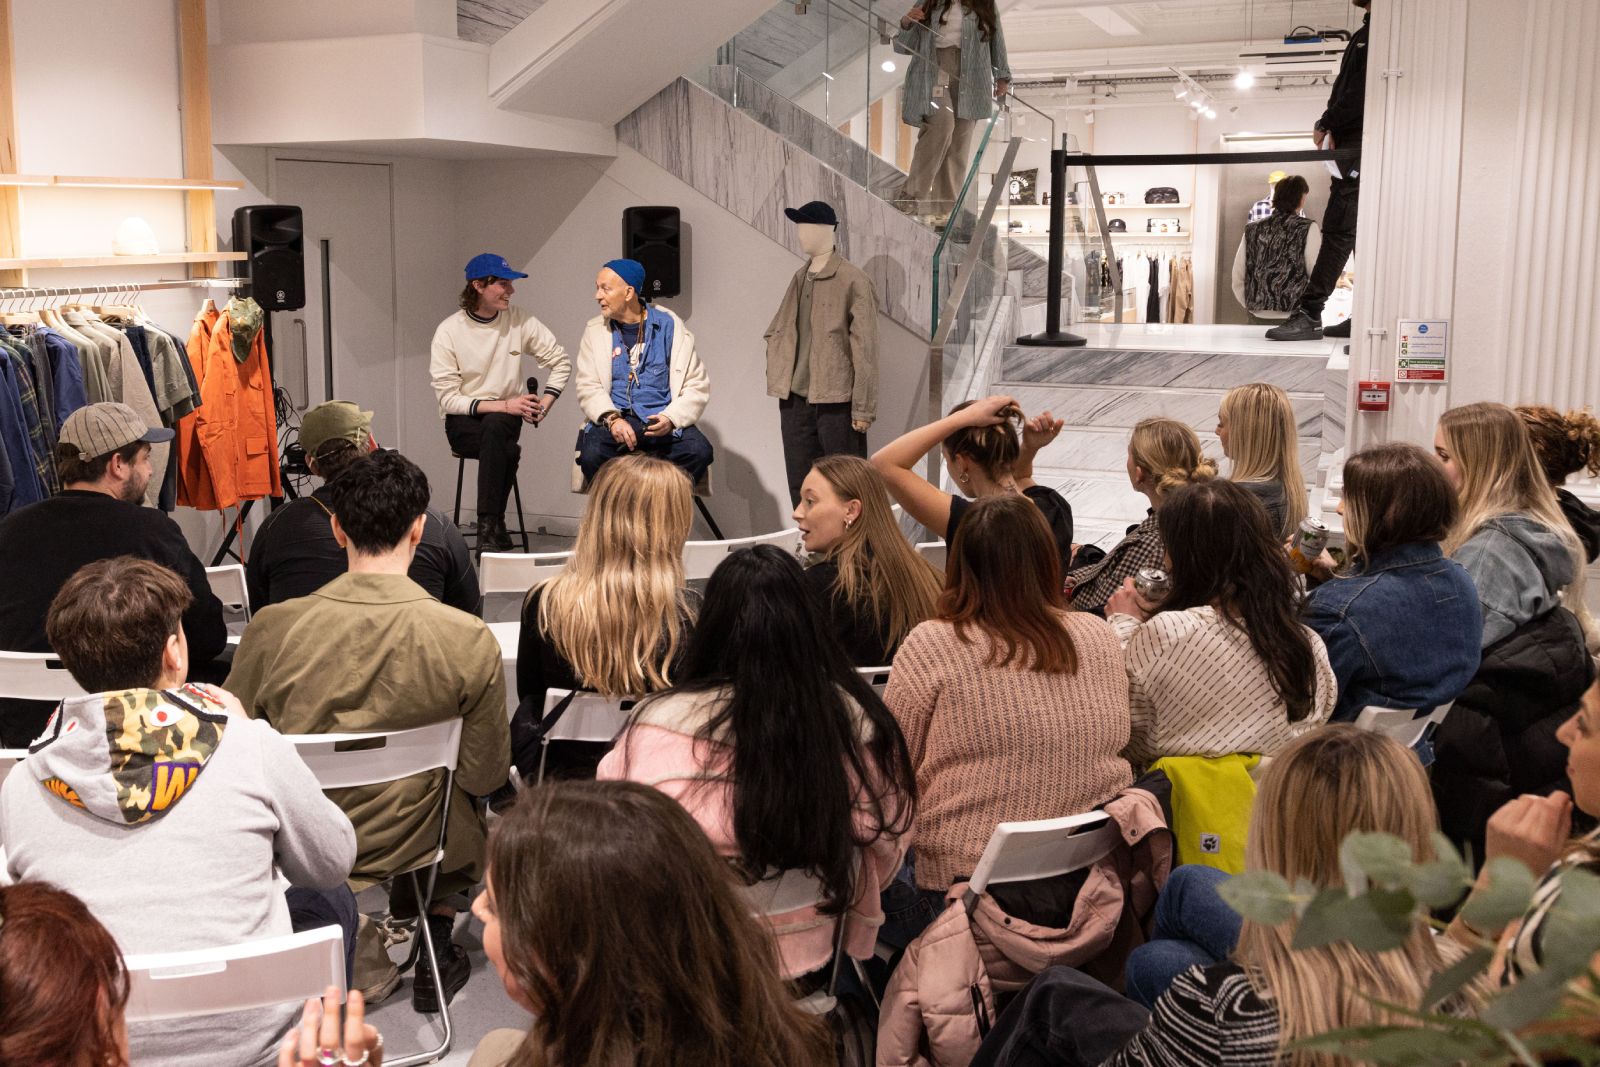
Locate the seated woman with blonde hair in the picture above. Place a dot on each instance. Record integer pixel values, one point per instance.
(1260, 435)
(875, 587)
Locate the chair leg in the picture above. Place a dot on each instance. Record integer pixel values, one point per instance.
(716, 531)
(544, 750)
(522, 520)
(432, 955)
(461, 471)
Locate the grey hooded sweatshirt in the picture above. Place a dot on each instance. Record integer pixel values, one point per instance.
(1520, 567)
(170, 818)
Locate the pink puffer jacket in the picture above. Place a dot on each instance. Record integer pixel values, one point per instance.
(941, 998)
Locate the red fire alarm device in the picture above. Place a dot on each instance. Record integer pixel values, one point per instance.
(1372, 396)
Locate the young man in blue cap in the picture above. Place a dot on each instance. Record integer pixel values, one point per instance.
(479, 375)
(640, 383)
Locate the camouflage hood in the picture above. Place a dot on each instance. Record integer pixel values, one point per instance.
(128, 757)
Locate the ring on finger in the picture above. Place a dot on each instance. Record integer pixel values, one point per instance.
(329, 1057)
(365, 1056)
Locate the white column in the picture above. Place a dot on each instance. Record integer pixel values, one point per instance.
(1481, 204)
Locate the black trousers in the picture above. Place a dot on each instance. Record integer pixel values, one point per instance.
(811, 431)
(1338, 241)
(491, 440)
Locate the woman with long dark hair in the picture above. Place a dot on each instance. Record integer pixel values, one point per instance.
(1013, 706)
(1223, 664)
(780, 750)
(609, 917)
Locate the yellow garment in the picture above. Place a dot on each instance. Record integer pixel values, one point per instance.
(1211, 801)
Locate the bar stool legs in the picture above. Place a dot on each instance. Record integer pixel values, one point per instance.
(520, 531)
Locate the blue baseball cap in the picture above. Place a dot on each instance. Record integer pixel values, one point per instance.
(489, 265)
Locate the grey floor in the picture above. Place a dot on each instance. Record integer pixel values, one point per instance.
(480, 1007)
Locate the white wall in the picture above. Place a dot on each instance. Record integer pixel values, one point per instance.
(559, 220)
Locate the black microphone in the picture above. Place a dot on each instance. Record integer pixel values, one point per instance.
(533, 391)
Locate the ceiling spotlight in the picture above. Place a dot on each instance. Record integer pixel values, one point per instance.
(1180, 91)
(888, 66)
(1210, 113)
(1244, 80)
(1198, 104)
(1088, 117)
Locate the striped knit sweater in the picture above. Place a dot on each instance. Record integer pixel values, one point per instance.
(1197, 688)
(1212, 1016)
(996, 744)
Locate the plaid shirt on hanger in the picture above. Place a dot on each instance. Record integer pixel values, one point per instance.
(38, 439)
(1261, 209)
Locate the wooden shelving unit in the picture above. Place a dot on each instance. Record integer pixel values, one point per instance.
(55, 262)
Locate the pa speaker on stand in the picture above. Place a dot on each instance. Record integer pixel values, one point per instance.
(272, 236)
(652, 236)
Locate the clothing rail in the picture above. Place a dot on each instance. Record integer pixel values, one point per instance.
(129, 288)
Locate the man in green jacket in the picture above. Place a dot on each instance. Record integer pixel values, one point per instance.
(371, 650)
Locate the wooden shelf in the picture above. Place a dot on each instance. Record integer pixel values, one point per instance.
(76, 181)
(53, 262)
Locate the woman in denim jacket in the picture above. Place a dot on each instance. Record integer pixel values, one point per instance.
(1401, 623)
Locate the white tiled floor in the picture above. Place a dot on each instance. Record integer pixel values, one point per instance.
(1171, 337)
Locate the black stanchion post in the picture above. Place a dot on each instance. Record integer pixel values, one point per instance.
(1053, 337)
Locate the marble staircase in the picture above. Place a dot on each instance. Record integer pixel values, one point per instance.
(1127, 373)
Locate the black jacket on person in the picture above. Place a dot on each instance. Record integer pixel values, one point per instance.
(294, 554)
(1499, 739)
(44, 544)
(1348, 100)
(861, 635)
(1585, 522)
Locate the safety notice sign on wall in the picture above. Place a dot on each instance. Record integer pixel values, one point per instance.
(1424, 351)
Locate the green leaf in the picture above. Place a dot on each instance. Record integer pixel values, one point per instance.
(1448, 982)
(1383, 858)
(1532, 998)
(1448, 1041)
(1259, 896)
(1376, 921)
(1504, 898)
(1571, 935)
(1440, 883)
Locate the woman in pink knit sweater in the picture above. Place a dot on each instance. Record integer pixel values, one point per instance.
(1013, 707)
(782, 753)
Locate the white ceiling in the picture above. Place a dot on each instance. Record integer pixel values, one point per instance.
(1042, 26)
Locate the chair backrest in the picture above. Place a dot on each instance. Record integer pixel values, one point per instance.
(1405, 725)
(256, 974)
(784, 892)
(935, 552)
(1043, 848)
(35, 676)
(343, 760)
(508, 635)
(877, 677)
(517, 572)
(229, 586)
(590, 716)
(700, 558)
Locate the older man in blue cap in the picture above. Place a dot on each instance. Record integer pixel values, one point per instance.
(485, 390)
(640, 383)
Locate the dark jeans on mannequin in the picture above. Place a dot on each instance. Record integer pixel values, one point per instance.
(690, 450)
(811, 431)
(1338, 239)
(492, 440)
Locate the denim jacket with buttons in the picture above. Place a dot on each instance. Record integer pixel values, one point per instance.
(1402, 632)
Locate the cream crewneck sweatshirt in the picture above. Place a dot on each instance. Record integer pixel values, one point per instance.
(474, 360)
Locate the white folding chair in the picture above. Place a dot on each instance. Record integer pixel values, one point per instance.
(341, 761)
(9, 758)
(1405, 725)
(579, 715)
(789, 891)
(935, 552)
(229, 586)
(255, 974)
(508, 635)
(877, 677)
(700, 558)
(501, 573)
(1041, 848)
(35, 676)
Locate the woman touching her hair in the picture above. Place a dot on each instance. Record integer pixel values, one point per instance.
(874, 585)
(987, 456)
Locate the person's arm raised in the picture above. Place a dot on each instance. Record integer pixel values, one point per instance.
(896, 461)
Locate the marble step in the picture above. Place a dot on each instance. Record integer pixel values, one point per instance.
(1213, 357)
(1105, 450)
(1121, 407)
